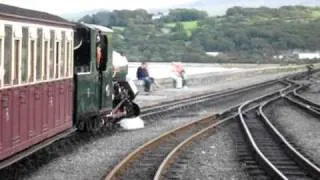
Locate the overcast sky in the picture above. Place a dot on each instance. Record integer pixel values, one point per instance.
(70, 6)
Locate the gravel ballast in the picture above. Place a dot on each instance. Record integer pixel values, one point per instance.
(215, 157)
(300, 126)
(94, 159)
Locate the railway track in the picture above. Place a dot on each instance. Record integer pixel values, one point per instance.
(297, 99)
(147, 113)
(162, 157)
(172, 106)
(154, 159)
(73, 139)
(269, 148)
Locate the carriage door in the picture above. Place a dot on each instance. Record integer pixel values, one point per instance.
(87, 78)
(105, 69)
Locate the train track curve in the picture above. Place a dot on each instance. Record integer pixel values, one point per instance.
(277, 157)
(153, 159)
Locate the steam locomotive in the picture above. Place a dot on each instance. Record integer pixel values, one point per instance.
(56, 77)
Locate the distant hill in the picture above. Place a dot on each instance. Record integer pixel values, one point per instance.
(218, 7)
(213, 7)
(76, 16)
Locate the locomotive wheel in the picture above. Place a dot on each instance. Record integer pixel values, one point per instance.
(94, 124)
(81, 126)
(133, 110)
(90, 125)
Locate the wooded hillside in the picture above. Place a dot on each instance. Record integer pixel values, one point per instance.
(242, 35)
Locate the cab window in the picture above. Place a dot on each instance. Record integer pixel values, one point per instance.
(102, 52)
(82, 52)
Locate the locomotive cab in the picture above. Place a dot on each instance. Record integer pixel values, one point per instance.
(93, 75)
(101, 95)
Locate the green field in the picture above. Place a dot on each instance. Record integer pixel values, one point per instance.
(316, 14)
(189, 26)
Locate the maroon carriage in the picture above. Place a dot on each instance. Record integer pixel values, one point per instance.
(36, 78)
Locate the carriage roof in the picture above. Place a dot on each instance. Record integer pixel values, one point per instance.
(103, 29)
(26, 15)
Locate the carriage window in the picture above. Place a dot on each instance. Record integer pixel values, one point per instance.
(16, 61)
(68, 59)
(63, 54)
(24, 55)
(57, 58)
(45, 62)
(7, 55)
(39, 54)
(51, 59)
(71, 60)
(32, 60)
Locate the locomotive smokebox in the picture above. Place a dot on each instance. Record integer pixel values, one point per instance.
(120, 66)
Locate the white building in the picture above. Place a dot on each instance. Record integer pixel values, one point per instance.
(158, 16)
(308, 55)
(213, 54)
(278, 57)
(298, 54)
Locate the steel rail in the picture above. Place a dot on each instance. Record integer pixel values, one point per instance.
(304, 162)
(303, 102)
(161, 109)
(174, 153)
(117, 170)
(71, 132)
(304, 105)
(308, 104)
(262, 158)
(194, 100)
(218, 94)
(125, 163)
(271, 168)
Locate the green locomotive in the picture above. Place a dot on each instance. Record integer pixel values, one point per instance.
(103, 94)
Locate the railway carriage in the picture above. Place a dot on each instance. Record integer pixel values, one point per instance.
(51, 82)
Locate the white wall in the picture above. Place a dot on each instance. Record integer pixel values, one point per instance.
(309, 55)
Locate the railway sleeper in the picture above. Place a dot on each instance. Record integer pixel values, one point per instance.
(246, 158)
(257, 172)
(279, 163)
(253, 167)
(289, 167)
(278, 159)
(296, 173)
